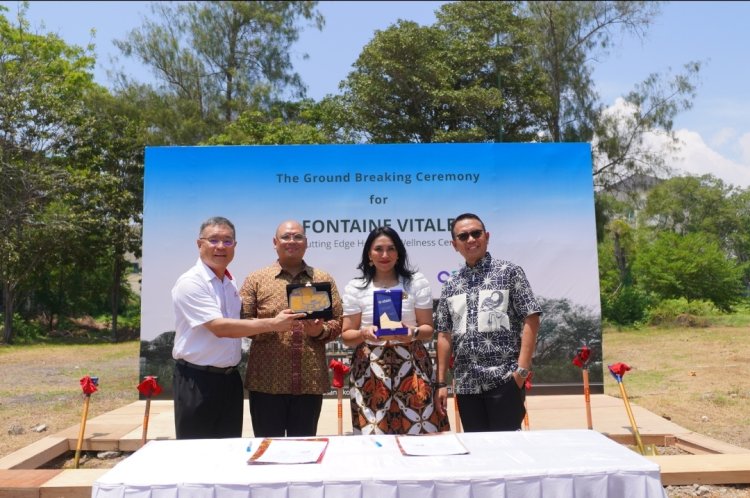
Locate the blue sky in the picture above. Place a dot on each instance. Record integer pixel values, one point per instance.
(715, 132)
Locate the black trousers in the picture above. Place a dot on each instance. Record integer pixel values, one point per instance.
(280, 415)
(499, 409)
(207, 405)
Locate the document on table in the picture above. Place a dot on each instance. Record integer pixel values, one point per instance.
(431, 445)
(290, 451)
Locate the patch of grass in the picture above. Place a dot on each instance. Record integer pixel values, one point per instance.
(733, 320)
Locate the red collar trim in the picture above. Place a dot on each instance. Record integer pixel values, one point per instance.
(226, 272)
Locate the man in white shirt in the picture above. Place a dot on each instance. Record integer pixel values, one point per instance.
(208, 392)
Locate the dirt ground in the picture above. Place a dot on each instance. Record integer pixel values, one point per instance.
(698, 378)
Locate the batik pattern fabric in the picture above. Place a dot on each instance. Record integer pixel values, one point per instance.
(391, 383)
(288, 362)
(391, 390)
(483, 308)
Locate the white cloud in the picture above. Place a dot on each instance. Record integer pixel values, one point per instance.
(693, 155)
(744, 143)
(723, 137)
(697, 158)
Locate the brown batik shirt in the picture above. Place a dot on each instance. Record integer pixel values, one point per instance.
(286, 362)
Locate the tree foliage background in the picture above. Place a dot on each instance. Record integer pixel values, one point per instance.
(71, 151)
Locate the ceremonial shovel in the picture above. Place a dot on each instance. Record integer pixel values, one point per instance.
(582, 361)
(339, 370)
(149, 387)
(88, 384)
(618, 370)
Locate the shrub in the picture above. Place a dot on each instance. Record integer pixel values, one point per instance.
(681, 311)
(626, 307)
(25, 331)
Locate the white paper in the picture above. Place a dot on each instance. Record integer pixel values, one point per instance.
(290, 451)
(431, 445)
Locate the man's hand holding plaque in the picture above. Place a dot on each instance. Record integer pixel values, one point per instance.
(313, 298)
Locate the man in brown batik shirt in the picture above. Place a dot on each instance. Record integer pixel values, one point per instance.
(287, 372)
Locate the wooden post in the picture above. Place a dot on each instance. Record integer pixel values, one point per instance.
(637, 434)
(587, 396)
(340, 408)
(526, 425)
(148, 388)
(145, 421)
(82, 430)
(339, 370)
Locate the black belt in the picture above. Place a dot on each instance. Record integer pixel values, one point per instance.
(208, 368)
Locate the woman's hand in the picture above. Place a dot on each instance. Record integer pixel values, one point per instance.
(441, 399)
(407, 338)
(368, 334)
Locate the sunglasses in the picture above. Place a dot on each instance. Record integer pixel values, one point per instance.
(464, 236)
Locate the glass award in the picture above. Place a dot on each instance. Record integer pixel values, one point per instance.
(386, 313)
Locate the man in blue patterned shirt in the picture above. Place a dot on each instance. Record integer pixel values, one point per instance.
(488, 318)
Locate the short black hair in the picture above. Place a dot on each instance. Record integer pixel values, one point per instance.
(217, 221)
(465, 216)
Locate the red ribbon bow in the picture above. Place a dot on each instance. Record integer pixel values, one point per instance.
(582, 357)
(88, 384)
(149, 387)
(339, 370)
(618, 370)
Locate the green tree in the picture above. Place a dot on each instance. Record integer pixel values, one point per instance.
(42, 117)
(740, 240)
(693, 204)
(619, 145)
(440, 83)
(616, 255)
(703, 204)
(217, 59)
(692, 266)
(568, 37)
(304, 122)
(516, 71)
(111, 167)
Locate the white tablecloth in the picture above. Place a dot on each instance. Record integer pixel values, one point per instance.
(543, 464)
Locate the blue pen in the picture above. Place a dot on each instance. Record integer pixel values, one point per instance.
(249, 447)
(377, 443)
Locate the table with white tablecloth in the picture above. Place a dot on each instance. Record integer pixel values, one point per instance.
(563, 463)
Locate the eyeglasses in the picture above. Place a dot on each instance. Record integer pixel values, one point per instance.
(288, 237)
(219, 242)
(474, 234)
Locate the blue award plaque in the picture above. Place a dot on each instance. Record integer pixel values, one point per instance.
(386, 313)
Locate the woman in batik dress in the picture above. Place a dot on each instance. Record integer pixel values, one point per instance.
(391, 381)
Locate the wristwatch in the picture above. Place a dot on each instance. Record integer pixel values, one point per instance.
(415, 332)
(523, 372)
